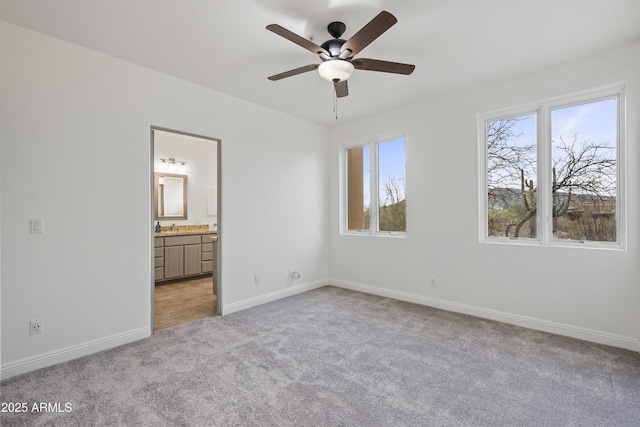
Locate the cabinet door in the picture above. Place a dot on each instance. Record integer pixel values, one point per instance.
(192, 259)
(173, 262)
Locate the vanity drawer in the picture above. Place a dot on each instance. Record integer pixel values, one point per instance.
(159, 273)
(207, 256)
(158, 262)
(158, 252)
(207, 247)
(207, 266)
(159, 242)
(181, 240)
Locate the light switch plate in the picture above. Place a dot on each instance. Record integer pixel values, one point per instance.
(36, 226)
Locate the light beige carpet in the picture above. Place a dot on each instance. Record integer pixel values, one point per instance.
(333, 357)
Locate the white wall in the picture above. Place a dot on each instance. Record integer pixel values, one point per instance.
(75, 145)
(201, 155)
(66, 113)
(587, 293)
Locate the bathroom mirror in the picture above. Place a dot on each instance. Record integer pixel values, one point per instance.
(169, 196)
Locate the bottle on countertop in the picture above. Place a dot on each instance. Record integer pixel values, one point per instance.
(158, 229)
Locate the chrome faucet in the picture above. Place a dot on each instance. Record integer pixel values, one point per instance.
(172, 225)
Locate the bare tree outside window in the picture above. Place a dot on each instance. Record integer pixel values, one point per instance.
(583, 174)
(392, 203)
(511, 177)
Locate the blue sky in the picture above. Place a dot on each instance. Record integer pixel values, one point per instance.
(595, 122)
(391, 163)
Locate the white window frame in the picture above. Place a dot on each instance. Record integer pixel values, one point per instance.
(373, 144)
(543, 110)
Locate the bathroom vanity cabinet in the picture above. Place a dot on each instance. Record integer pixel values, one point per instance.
(178, 257)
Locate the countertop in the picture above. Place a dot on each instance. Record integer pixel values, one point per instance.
(186, 230)
(183, 233)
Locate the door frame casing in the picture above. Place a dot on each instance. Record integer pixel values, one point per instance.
(218, 263)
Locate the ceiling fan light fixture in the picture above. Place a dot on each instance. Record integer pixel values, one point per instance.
(335, 70)
(337, 55)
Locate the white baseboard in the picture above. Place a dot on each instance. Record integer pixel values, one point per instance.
(273, 296)
(65, 354)
(599, 337)
(29, 364)
(22, 366)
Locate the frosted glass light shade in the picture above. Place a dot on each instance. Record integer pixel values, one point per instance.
(335, 70)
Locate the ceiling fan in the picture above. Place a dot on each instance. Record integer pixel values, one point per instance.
(337, 55)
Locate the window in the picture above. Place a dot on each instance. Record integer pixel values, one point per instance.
(553, 173)
(374, 183)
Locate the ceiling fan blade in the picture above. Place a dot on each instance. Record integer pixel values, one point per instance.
(294, 72)
(300, 41)
(378, 25)
(342, 89)
(384, 66)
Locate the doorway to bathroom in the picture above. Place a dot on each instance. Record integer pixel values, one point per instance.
(185, 279)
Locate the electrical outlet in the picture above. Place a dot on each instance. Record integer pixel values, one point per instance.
(256, 279)
(36, 326)
(293, 274)
(432, 282)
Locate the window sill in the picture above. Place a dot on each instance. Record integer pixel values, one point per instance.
(391, 235)
(555, 244)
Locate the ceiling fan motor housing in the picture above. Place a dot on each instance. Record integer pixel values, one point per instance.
(333, 46)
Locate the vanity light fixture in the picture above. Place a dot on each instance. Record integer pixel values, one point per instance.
(172, 164)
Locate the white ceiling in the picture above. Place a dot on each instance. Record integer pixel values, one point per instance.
(224, 45)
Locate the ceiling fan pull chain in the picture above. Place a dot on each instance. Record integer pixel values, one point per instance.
(335, 101)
